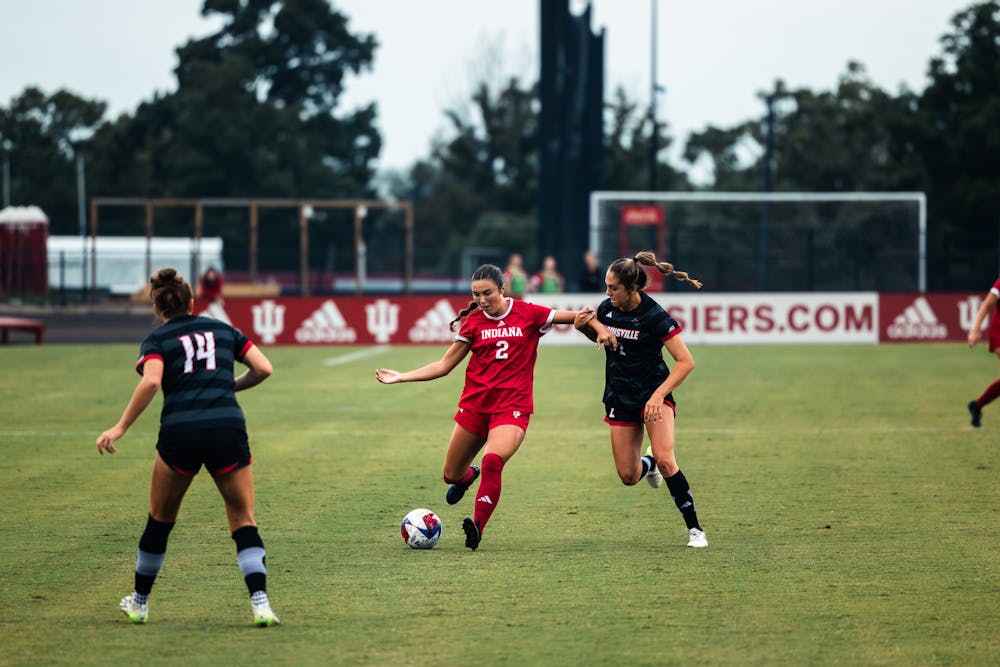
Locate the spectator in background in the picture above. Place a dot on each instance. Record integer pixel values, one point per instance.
(210, 286)
(515, 278)
(548, 280)
(592, 279)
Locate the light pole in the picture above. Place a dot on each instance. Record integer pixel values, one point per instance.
(77, 138)
(653, 89)
(6, 144)
(765, 211)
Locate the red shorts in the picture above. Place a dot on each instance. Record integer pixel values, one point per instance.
(481, 423)
(993, 332)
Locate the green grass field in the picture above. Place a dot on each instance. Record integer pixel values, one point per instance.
(852, 514)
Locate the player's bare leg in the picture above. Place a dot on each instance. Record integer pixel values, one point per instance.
(237, 491)
(166, 492)
(626, 448)
(661, 436)
(502, 443)
(459, 472)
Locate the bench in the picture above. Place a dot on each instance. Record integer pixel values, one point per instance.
(258, 290)
(251, 290)
(21, 324)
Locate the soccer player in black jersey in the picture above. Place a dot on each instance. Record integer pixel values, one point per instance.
(201, 423)
(638, 386)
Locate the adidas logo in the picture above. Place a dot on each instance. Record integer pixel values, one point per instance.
(484, 499)
(433, 327)
(917, 321)
(216, 312)
(326, 325)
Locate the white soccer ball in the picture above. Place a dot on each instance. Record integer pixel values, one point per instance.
(421, 528)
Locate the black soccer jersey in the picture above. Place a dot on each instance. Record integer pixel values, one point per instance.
(198, 354)
(634, 371)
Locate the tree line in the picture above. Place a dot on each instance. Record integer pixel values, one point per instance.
(256, 114)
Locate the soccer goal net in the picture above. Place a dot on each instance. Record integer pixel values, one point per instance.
(787, 241)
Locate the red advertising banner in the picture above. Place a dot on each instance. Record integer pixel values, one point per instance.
(348, 320)
(706, 318)
(916, 317)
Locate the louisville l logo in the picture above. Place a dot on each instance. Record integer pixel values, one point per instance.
(382, 319)
(268, 320)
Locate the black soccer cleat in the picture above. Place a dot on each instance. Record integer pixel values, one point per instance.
(457, 491)
(977, 413)
(472, 534)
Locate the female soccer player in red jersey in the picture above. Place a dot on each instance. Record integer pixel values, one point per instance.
(200, 423)
(990, 304)
(638, 385)
(503, 334)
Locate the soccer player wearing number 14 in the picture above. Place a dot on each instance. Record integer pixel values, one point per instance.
(201, 423)
(503, 335)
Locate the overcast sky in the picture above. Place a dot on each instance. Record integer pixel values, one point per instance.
(713, 55)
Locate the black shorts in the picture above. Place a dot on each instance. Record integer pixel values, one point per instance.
(221, 450)
(630, 414)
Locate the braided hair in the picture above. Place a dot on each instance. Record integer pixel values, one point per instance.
(484, 272)
(170, 293)
(630, 274)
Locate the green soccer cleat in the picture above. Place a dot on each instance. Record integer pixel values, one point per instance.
(137, 613)
(264, 616)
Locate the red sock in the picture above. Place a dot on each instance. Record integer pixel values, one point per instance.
(489, 490)
(466, 478)
(991, 392)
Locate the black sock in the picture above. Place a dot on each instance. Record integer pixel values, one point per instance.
(152, 549)
(647, 464)
(681, 493)
(251, 556)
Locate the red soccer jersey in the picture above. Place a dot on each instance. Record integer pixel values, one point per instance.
(501, 372)
(993, 332)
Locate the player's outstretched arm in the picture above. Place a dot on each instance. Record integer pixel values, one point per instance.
(152, 377)
(432, 371)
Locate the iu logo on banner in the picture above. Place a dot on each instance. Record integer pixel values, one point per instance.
(268, 320)
(383, 319)
(968, 308)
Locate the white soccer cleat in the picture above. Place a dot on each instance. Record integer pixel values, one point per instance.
(137, 613)
(697, 538)
(654, 477)
(264, 616)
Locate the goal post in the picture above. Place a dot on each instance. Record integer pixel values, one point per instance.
(840, 241)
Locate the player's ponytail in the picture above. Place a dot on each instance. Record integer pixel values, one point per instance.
(666, 268)
(631, 274)
(463, 314)
(170, 293)
(484, 272)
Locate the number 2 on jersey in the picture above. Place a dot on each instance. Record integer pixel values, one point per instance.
(502, 346)
(205, 344)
